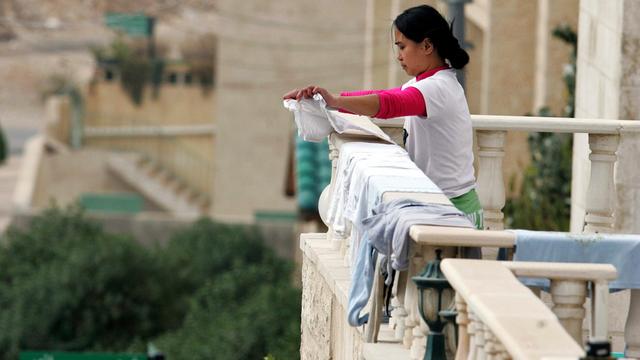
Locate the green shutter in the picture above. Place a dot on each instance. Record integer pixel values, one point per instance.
(313, 172)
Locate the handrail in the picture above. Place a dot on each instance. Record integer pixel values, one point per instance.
(539, 124)
(501, 307)
(553, 124)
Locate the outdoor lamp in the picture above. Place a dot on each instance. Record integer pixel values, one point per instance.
(434, 293)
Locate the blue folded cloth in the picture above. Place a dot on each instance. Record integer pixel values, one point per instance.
(622, 251)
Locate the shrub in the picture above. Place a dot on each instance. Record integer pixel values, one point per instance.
(67, 285)
(214, 292)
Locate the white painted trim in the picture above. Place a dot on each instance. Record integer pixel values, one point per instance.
(135, 131)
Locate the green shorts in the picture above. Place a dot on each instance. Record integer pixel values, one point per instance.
(469, 203)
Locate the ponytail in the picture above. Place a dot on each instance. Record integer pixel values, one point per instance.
(424, 22)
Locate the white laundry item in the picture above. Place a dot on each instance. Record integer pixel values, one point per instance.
(364, 169)
(350, 153)
(310, 120)
(315, 121)
(339, 184)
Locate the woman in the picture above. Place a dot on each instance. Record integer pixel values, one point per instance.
(438, 131)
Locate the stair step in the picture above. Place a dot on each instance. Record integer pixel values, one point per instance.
(157, 184)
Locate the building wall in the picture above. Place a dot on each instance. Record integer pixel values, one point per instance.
(189, 157)
(265, 49)
(107, 104)
(63, 178)
(608, 87)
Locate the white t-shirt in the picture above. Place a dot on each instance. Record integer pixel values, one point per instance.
(441, 144)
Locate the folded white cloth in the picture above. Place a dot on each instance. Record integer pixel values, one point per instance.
(315, 121)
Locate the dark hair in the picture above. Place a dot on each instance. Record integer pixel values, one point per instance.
(422, 22)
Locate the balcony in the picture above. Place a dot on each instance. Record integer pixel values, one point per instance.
(497, 316)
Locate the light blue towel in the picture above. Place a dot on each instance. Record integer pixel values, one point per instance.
(361, 282)
(622, 251)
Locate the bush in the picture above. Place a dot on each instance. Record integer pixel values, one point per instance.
(215, 291)
(67, 285)
(244, 305)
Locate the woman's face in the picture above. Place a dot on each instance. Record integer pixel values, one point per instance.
(413, 57)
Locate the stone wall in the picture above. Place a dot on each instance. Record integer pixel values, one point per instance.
(317, 302)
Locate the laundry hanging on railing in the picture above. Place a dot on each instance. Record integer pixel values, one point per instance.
(386, 232)
(379, 155)
(620, 250)
(315, 121)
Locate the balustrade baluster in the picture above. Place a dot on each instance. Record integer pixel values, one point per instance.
(501, 352)
(399, 313)
(601, 194)
(490, 181)
(411, 301)
(568, 298)
(480, 340)
(334, 155)
(632, 327)
(462, 320)
(490, 347)
(472, 330)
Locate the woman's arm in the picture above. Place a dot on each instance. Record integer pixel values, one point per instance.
(381, 104)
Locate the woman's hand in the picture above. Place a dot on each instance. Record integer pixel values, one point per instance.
(309, 91)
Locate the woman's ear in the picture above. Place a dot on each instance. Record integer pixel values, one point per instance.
(428, 46)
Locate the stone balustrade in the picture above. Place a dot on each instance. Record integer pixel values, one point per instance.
(326, 261)
(499, 318)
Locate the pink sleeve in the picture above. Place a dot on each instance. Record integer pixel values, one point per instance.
(363, 93)
(366, 92)
(407, 102)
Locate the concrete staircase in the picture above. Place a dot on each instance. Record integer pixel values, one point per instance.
(158, 184)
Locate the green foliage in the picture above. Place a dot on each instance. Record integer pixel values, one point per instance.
(214, 292)
(244, 305)
(545, 199)
(67, 285)
(138, 70)
(135, 73)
